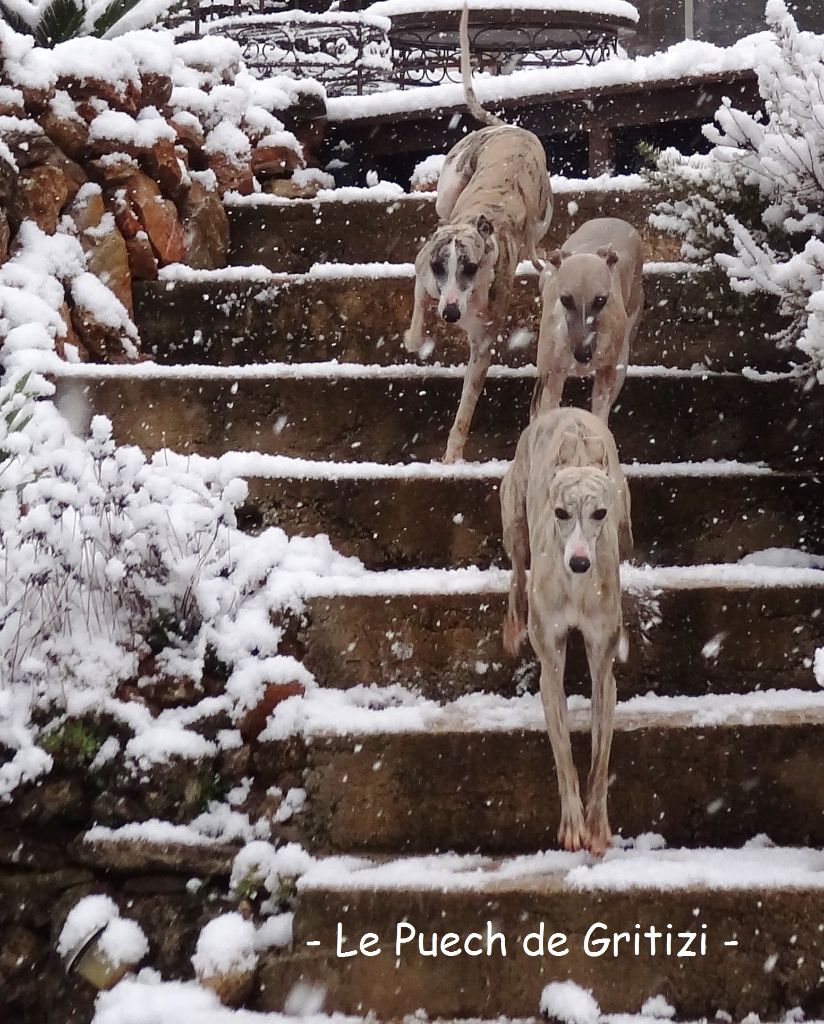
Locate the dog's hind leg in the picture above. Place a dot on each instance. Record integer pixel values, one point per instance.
(538, 233)
(451, 183)
(601, 653)
(572, 833)
(516, 545)
(480, 356)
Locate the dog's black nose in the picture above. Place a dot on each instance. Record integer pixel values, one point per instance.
(578, 563)
(451, 313)
(583, 355)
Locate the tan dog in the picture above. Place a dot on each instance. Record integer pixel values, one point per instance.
(565, 508)
(495, 204)
(592, 305)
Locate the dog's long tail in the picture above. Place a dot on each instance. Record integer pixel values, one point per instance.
(472, 101)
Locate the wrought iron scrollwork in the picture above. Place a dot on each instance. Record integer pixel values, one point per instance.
(346, 52)
(353, 52)
(347, 56)
(430, 56)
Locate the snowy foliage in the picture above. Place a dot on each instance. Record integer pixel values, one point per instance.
(756, 203)
(109, 558)
(55, 21)
(100, 551)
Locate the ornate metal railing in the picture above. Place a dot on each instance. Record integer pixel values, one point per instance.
(347, 53)
(430, 56)
(355, 52)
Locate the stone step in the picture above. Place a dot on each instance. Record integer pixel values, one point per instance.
(470, 780)
(692, 631)
(359, 314)
(354, 227)
(761, 912)
(399, 414)
(403, 520)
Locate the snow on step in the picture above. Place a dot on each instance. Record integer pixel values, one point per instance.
(391, 193)
(332, 370)
(490, 581)
(377, 270)
(284, 467)
(636, 864)
(370, 710)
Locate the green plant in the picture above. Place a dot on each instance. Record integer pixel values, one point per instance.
(56, 21)
(213, 788)
(17, 397)
(76, 740)
(248, 887)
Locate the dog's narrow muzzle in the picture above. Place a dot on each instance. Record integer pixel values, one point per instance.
(451, 313)
(578, 563)
(584, 354)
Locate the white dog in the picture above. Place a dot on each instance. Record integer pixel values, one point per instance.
(565, 508)
(593, 298)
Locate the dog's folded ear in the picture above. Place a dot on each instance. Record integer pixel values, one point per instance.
(557, 257)
(597, 453)
(484, 226)
(606, 252)
(567, 450)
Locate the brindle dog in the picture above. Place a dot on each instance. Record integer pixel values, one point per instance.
(495, 205)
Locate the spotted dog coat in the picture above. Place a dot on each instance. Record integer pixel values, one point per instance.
(495, 204)
(565, 508)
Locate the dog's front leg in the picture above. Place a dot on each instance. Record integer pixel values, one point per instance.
(414, 336)
(603, 392)
(572, 833)
(480, 356)
(548, 392)
(601, 652)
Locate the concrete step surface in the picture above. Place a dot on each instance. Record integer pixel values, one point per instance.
(714, 513)
(690, 633)
(358, 226)
(760, 911)
(359, 314)
(478, 775)
(388, 414)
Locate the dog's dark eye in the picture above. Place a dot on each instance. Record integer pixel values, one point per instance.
(599, 302)
(599, 513)
(470, 269)
(567, 302)
(438, 268)
(561, 513)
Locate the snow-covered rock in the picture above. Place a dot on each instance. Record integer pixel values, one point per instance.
(569, 1003)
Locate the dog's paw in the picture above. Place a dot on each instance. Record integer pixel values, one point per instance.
(599, 834)
(412, 342)
(572, 833)
(514, 633)
(452, 455)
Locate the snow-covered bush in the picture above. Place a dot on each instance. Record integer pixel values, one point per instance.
(755, 204)
(118, 568)
(100, 551)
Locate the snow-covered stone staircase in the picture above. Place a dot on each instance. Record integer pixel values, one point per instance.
(720, 733)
